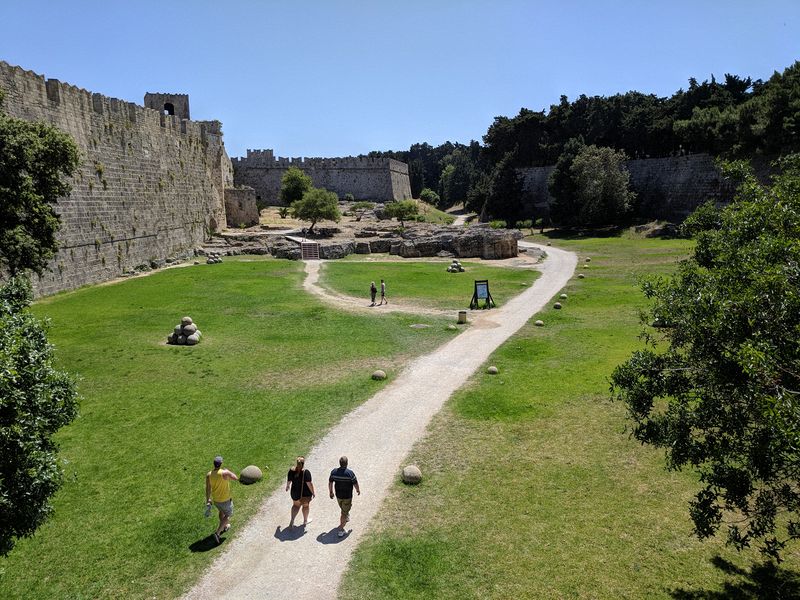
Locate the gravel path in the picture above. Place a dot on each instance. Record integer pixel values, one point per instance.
(268, 561)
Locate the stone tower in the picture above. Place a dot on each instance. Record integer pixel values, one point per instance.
(169, 104)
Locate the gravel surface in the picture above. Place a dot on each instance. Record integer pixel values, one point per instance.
(267, 560)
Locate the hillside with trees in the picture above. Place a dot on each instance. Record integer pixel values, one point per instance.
(735, 117)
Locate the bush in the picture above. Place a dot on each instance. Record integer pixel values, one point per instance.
(349, 197)
(428, 196)
(317, 204)
(497, 224)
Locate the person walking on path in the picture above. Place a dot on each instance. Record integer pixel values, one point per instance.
(383, 293)
(218, 492)
(373, 291)
(344, 481)
(302, 490)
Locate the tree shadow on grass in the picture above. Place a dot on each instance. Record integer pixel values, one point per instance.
(205, 544)
(577, 234)
(762, 580)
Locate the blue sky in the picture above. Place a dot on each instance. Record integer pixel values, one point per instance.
(337, 78)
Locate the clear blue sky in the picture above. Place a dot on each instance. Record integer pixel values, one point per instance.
(336, 77)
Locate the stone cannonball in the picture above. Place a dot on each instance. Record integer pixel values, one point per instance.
(379, 375)
(588, 259)
(181, 341)
(189, 329)
(581, 275)
(492, 370)
(557, 305)
(186, 321)
(539, 323)
(191, 340)
(178, 329)
(563, 296)
(250, 474)
(412, 475)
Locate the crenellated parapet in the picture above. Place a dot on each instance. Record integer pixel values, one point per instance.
(150, 185)
(366, 178)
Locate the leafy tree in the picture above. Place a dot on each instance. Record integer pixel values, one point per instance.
(602, 186)
(504, 195)
(561, 184)
(35, 160)
(718, 385)
(404, 210)
(294, 184)
(456, 177)
(35, 401)
(317, 205)
(359, 208)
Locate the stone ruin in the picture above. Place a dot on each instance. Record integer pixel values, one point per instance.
(213, 258)
(186, 333)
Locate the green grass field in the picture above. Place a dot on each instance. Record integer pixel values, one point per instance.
(425, 283)
(533, 489)
(274, 371)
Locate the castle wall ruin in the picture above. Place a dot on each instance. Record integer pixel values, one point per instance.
(668, 188)
(366, 178)
(149, 189)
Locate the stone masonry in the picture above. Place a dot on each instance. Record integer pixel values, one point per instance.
(376, 179)
(150, 187)
(666, 188)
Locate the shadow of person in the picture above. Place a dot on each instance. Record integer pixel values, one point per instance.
(288, 534)
(761, 580)
(205, 544)
(332, 536)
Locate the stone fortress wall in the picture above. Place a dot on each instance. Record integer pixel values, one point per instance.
(666, 188)
(366, 178)
(150, 186)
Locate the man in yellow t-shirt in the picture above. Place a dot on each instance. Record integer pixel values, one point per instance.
(218, 491)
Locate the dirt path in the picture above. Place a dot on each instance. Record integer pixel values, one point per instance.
(268, 561)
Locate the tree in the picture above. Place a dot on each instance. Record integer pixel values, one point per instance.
(561, 185)
(404, 210)
(602, 185)
(294, 184)
(35, 160)
(359, 208)
(718, 384)
(456, 177)
(504, 195)
(35, 401)
(317, 205)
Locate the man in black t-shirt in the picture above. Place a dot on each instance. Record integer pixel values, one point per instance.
(344, 480)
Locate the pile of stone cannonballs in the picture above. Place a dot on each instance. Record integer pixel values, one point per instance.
(186, 333)
(213, 258)
(455, 267)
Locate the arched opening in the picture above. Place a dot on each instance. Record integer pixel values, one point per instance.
(169, 108)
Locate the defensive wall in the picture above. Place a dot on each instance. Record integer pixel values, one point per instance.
(366, 178)
(666, 188)
(149, 189)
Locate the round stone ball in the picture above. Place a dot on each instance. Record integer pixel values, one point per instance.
(198, 333)
(191, 340)
(186, 321)
(549, 243)
(171, 338)
(492, 370)
(379, 375)
(189, 329)
(581, 275)
(412, 475)
(563, 296)
(539, 323)
(197, 262)
(181, 341)
(588, 260)
(210, 261)
(557, 305)
(250, 474)
(452, 327)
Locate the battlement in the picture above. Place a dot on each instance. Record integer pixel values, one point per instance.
(365, 177)
(168, 104)
(266, 159)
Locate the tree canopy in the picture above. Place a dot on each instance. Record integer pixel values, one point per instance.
(294, 184)
(35, 161)
(718, 384)
(35, 401)
(317, 204)
(403, 210)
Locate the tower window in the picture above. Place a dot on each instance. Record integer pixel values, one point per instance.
(169, 108)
